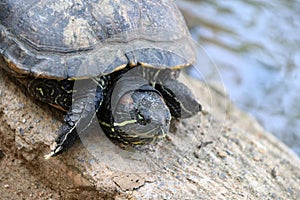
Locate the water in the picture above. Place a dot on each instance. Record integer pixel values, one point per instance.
(256, 46)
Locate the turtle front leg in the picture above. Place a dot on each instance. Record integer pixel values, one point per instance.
(179, 98)
(77, 119)
(66, 137)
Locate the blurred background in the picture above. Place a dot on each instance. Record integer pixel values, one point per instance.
(256, 46)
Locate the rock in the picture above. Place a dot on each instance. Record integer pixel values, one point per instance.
(219, 154)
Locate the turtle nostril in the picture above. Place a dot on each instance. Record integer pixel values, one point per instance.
(200, 107)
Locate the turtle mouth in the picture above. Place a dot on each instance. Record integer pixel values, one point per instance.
(144, 137)
(161, 133)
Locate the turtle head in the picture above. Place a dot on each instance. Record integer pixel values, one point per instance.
(141, 116)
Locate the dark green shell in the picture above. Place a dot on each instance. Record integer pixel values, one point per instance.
(80, 39)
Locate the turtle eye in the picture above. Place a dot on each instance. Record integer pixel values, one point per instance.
(141, 119)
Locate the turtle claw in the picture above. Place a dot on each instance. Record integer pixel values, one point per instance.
(54, 151)
(48, 156)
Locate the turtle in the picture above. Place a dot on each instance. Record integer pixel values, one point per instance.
(117, 61)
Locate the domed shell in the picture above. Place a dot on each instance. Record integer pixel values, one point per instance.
(79, 39)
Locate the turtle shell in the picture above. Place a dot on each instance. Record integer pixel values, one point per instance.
(78, 39)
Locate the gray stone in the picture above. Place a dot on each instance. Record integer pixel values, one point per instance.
(221, 153)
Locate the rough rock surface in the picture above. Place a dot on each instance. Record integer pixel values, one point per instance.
(209, 156)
